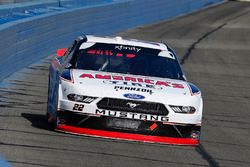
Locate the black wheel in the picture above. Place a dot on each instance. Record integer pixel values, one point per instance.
(51, 121)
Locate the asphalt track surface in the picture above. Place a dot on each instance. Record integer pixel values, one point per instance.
(214, 48)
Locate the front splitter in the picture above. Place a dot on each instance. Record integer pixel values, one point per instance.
(127, 136)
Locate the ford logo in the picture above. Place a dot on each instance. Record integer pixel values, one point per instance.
(133, 96)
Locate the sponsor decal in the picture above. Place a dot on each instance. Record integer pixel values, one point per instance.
(135, 80)
(126, 88)
(132, 84)
(130, 115)
(110, 53)
(133, 96)
(132, 48)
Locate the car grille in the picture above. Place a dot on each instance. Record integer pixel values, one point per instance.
(132, 106)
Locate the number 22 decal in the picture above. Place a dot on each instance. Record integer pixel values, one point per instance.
(78, 107)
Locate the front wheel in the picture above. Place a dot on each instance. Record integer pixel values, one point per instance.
(51, 121)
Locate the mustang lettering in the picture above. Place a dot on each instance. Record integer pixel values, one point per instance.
(129, 115)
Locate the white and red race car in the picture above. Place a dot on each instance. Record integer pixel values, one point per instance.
(123, 89)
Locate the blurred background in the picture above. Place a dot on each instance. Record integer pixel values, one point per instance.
(72, 2)
(4, 2)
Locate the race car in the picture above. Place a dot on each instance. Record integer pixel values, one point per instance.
(123, 89)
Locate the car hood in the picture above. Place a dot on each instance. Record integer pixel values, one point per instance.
(133, 87)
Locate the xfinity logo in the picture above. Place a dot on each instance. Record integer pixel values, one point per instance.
(132, 48)
(132, 105)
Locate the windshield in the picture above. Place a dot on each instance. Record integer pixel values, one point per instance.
(128, 60)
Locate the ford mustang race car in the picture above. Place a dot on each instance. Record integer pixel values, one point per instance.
(115, 88)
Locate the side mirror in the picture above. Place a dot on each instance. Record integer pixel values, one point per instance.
(61, 52)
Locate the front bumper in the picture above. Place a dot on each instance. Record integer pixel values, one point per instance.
(127, 129)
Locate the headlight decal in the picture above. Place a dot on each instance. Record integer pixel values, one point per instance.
(80, 98)
(183, 109)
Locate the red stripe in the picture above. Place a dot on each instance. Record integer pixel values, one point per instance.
(127, 136)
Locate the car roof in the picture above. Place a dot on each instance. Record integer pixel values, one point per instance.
(131, 42)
